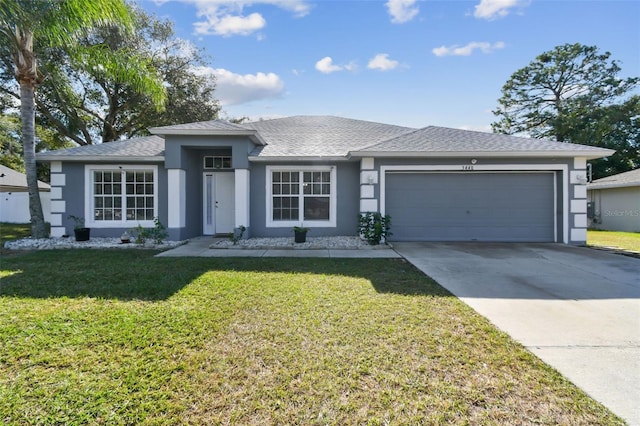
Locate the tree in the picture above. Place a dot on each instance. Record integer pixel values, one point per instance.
(24, 23)
(11, 153)
(573, 94)
(88, 107)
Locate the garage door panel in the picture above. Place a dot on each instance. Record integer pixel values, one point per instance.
(470, 206)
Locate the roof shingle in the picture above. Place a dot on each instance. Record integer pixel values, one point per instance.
(630, 178)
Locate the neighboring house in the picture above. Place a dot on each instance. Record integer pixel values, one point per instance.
(614, 202)
(437, 184)
(14, 197)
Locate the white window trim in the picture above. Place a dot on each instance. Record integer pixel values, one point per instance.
(88, 197)
(333, 188)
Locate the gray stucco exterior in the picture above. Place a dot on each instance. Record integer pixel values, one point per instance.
(359, 156)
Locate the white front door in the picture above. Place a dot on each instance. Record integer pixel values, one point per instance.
(218, 203)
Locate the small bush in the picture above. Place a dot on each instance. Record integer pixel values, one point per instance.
(373, 227)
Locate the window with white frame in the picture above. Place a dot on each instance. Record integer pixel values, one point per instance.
(122, 195)
(301, 195)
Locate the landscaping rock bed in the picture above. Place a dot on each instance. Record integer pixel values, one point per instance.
(93, 243)
(287, 243)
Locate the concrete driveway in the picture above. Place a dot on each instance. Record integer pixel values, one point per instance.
(577, 309)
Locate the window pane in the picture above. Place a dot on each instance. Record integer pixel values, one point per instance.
(286, 177)
(325, 189)
(97, 176)
(97, 189)
(130, 176)
(117, 189)
(307, 177)
(277, 202)
(276, 177)
(295, 177)
(107, 176)
(149, 203)
(306, 188)
(326, 177)
(98, 202)
(275, 190)
(130, 188)
(117, 177)
(316, 208)
(107, 189)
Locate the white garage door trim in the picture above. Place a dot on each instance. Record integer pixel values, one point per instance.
(488, 168)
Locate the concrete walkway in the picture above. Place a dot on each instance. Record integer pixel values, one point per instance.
(199, 247)
(575, 308)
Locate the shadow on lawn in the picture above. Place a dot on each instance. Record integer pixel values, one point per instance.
(137, 275)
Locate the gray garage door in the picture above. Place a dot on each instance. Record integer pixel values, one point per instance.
(470, 206)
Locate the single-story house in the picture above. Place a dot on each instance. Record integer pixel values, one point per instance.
(14, 197)
(321, 172)
(614, 202)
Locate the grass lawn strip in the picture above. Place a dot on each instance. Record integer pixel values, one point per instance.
(111, 337)
(610, 239)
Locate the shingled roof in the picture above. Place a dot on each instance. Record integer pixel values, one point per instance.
(630, 178)
(319, 136)
(329, 137)
(14, 181)
(148, 148)
(443, 141)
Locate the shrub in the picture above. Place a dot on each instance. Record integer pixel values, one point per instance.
(373, 227)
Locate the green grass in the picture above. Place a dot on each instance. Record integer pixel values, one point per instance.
(13, 231)
(622, 240)
(120, 337)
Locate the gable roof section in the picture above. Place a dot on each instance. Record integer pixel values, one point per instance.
(145, 149)
(14, 181)
(435, 141)
(209, 128)
(621, 180)
(319, 136)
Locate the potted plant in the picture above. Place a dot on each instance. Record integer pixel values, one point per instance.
(81, 232)
(300, 234)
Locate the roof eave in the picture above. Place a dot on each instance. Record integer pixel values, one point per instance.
(589, 155)
(297, 158)
(252, 134)
(591, 187)
(101, 158)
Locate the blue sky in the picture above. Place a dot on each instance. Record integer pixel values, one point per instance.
(405, 62)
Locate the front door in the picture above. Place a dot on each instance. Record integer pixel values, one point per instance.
(218, 203)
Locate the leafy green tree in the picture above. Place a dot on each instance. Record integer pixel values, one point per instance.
(88, 106)
(56, 24)
(11, 153)
(573, 93)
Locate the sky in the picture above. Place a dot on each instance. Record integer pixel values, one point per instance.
(405, 62)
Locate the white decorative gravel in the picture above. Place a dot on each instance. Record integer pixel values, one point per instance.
(95, 243)
(283, 243)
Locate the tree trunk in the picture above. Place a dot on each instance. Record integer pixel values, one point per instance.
(28, 118)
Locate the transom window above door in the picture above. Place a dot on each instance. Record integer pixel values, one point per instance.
(217, 162)
(302, 195)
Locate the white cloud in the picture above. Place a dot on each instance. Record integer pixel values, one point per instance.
(235, 89)
(492, 9)
(326, 66)
(402, 11)
(468, 49)
(229, 25)
(226, 18)
(382, 62)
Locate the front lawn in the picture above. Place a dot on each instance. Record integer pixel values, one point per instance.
(13, 231)
(622, 240)
(120, 337)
